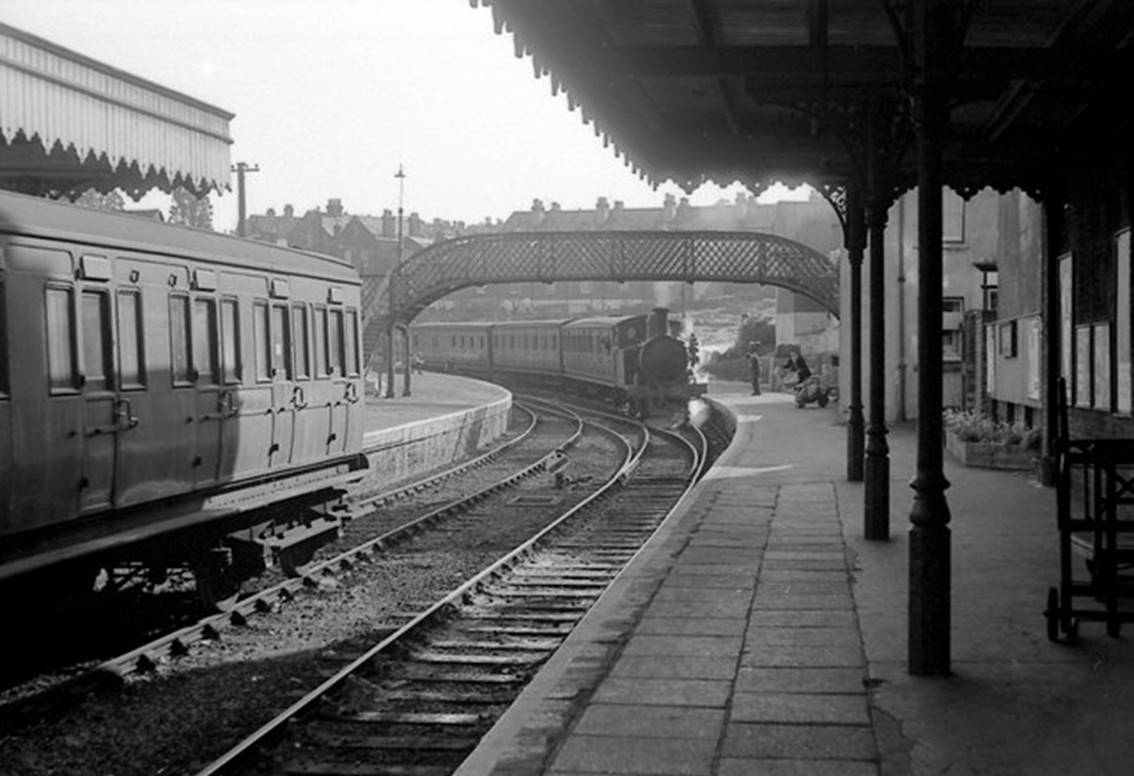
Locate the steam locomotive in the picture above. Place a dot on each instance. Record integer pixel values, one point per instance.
(632, 362)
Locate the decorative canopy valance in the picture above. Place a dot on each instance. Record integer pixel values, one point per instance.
(69, 123)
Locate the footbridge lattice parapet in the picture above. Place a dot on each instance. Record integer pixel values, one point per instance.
(525, 257)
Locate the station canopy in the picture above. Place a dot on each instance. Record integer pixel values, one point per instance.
(759, 91)
(69, 123)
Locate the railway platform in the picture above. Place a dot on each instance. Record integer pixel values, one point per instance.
(758, 633)
(444, 419)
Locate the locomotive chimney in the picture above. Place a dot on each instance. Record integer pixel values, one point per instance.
(657, 325)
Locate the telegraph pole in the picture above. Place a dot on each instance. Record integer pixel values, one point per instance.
(240, 168)
(401, 176)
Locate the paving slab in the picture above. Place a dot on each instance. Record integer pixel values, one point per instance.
(802, 668)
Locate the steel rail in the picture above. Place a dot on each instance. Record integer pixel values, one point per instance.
(277, 726)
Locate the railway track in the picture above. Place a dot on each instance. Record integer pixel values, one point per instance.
(177, 642)
(417, 701)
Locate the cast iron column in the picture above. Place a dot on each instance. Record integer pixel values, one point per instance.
(406, 363)
(1053, 327)
(876, 496)
(855, 242)
(929, 561)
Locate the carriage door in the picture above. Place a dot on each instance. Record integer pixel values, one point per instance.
(341, 386)
(285, 392)
(209, 402)
(102, 413)
(310, 426)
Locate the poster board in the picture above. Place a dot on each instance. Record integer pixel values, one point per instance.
(1066, 354)
(990, 358)
(1124, 398)
(1082, 356)
(1032, 329)
(1101, 337)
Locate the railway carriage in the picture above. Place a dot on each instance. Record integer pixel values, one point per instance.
(526, 346)
(161, 386)
(446, 346)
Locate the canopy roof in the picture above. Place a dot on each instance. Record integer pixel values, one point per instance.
(69, 123)
(766, 90)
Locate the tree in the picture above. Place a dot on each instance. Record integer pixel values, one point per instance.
(96, 200)
(187, 209)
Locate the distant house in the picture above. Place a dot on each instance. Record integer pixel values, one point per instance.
(271, 227)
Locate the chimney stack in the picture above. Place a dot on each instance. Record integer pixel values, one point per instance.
(414, 225)
(334, 207)
(538, 211)
(388, 223)
(288, 211)
(669, 207)
(602, 211)
(657, 325)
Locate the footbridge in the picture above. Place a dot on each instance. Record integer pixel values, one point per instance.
(525, 257)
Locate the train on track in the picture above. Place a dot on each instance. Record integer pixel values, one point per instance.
(633, 362)
(171, 399)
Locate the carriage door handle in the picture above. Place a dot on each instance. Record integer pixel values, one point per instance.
(350, 393)
(298, 399)
(125, 416)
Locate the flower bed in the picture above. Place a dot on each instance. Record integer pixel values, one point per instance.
(979, 442)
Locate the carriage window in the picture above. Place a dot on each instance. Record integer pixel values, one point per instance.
(352, 342)
(179, 328)
(60, 339)
(96, 340)
(131, 360)
(320, 342)
(335, 342)
(205, 340)
(299, 327)
(281, 342)
(3, 344)
(230, 337)
(260, 329)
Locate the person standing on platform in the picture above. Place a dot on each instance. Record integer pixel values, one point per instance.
(754, 363)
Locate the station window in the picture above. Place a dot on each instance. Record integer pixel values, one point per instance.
(96, 340)
(302, 342)
(281, 342)
(335, 342)
(131, 357)
(262, 343)
(952, 217)
(231, 364)
(351, 342)
(179, 328)
(60, 339)
(205, 341)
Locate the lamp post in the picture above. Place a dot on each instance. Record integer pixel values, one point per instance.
(390, 317)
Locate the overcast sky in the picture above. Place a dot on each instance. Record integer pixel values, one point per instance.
(330, 96)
